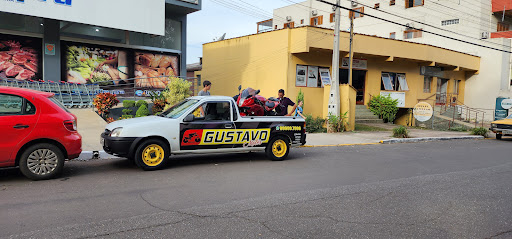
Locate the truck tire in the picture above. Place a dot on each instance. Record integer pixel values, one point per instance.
(152, 154)
(41, 161)
(278, 148)
(498, 136)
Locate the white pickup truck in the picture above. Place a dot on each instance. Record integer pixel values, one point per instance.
(201, 125)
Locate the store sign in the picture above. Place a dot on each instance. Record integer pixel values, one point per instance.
(312, 76)
(506, 104)
(132, 15)
(49, 49)
(325, 75)
(432, 71)
(356, 63)
(400, 96)
(501, 112)
(423, 111)
(300, 79)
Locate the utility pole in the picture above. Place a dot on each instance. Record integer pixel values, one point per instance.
(351, 53)
(334, 96)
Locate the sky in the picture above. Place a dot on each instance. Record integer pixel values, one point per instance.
(216, 19)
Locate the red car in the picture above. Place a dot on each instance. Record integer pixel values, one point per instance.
(37, 133)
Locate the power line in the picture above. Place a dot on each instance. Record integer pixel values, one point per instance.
(433, 33)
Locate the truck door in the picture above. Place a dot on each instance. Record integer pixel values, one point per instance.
(211, 127)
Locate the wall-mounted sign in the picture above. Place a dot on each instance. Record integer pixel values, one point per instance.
(500, 112)
(300, 79)
(506, 104)
(356, 63)
(312, 76)
(49, 49)
(20, 57)
(400, 96)
(423, 111)
(432, 71)
(325, 75)
(146, 16)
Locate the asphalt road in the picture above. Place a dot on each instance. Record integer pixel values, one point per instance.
(450, 189)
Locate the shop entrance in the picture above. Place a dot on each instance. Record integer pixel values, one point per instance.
(358, 82)
(442, 89)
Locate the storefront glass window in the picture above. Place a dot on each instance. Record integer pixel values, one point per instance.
(171, 40)
(83, 31)
(394, 81)
(386, 80)
(402, 82)
(16, 22)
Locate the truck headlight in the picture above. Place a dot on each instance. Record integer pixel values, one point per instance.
(116, 132)
(493, 126)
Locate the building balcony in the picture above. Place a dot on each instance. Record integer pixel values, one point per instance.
(500, 5)
(505, 34)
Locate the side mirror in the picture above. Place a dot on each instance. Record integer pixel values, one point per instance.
(189, 118)
(239, 87)
(257, 92)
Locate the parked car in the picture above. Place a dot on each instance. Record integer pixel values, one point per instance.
(201, 125)
(502, 127)
(37, 133)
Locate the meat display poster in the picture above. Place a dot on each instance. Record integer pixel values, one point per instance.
(20, 58)
(153, 70)
(102, 65)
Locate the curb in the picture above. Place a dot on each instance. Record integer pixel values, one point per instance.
(336, 145)
(428, 139)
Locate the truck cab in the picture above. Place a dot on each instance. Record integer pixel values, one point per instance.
(201, 125)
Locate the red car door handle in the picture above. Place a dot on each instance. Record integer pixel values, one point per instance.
(20, 126)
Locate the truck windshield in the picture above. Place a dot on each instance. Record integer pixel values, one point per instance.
(509, 117)
(179, 109)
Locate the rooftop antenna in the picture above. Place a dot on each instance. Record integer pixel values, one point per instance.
(220, 38)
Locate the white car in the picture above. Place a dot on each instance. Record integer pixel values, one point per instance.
(201, 125)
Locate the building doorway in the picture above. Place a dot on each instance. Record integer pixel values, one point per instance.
(442, 90)
(358, 82)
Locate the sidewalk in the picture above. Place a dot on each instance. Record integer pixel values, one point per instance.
(375, 137)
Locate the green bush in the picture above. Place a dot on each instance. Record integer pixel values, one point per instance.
(127, 111)
(480, 131)
(128, 103)
(142, 111)
(300, 97)
(140, 103)
(176, 91)
(384, 106)
(400, 132)
(315, 125)
(337, 123)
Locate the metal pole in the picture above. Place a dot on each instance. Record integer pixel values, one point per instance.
(351, 53)
(334, 96)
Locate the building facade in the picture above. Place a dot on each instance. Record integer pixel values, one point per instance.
(482, 22)
(106, 42)
(300, 59)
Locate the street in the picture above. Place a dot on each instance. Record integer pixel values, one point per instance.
(447, 189)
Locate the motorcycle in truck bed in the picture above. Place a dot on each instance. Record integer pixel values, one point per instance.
(201, 125)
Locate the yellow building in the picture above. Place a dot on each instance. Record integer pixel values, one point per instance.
(291, 59)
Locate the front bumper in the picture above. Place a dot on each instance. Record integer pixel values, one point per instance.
(118, 146)
(501, 131)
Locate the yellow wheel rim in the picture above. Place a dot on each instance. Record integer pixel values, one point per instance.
(279, 148)
(153, 155)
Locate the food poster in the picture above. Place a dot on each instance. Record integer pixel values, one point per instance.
(96, 65)
(153, 70)
(20, 58)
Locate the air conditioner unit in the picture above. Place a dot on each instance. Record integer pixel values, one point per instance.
(485, 35)
(288, 18)
(314, 12)
(409, 25)
(354, 3)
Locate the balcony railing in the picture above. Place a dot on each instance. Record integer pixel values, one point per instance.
(505, 34)
(500, 5)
